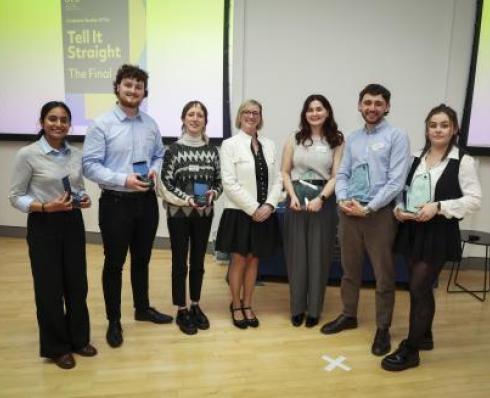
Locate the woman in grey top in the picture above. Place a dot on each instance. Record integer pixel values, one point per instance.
(310, 160)
(47, 184)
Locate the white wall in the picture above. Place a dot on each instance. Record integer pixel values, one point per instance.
(284, 50)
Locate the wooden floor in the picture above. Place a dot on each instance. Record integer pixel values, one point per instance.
(277, 360)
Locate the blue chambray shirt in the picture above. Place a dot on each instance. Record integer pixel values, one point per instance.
(114, 142)
(386, 149)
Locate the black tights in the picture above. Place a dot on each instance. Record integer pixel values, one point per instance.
(422, 304)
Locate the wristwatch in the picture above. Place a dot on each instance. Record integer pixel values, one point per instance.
(367, 210)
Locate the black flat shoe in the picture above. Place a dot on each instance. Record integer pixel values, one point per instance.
(382, 342)
(65, 361)
(152, 315)
(239, 323)
(88, 351)
(252, 322)
(340, 323)
(199, 318)
(297, 320)
(311, 321)
(114, 335)
(185, 322)
(404, 357)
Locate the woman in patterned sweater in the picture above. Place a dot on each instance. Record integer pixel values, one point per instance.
(192, 182)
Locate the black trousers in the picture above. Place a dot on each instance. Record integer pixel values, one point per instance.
(59, 270)
(185, 230)
(127, 220)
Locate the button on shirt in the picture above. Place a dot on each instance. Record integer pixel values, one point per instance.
(386, 150)
(114, 142)
(38, 173)
(261, 173)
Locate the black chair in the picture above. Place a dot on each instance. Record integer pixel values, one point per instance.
(473, 238)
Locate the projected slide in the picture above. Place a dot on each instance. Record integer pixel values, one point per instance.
(71, 49)
(478, 122)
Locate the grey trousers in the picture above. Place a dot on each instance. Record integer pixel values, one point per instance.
(374, 234)
(308, 247)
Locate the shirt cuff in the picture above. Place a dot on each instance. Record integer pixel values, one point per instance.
(23, 203)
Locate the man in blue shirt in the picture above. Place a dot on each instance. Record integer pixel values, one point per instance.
(372, 173)
(128, 208)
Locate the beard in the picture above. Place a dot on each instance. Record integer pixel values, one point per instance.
(129, 104)
(372, 120)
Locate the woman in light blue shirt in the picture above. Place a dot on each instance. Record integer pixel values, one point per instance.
(47, 184)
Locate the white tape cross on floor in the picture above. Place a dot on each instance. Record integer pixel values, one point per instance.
(335, 363)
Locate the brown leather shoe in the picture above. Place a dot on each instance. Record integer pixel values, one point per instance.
(65, 361)
(87, 351)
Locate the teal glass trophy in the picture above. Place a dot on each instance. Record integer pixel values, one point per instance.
(304, 189)
(359, 183)
(419, 193)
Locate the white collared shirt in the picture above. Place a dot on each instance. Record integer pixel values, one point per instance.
(468, 181)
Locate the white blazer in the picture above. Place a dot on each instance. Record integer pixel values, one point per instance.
(238, 173)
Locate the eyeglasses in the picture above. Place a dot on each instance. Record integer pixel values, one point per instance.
(251, 113)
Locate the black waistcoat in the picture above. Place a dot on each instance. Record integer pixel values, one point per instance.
(447, 186)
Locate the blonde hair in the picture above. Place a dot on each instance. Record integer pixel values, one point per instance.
(243, 106)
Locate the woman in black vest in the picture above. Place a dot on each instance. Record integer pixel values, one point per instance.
(429, 237)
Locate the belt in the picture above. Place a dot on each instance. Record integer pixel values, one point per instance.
(318, 183)
(124, 194)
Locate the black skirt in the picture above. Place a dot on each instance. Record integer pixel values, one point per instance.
(238, 233)
(435, 242)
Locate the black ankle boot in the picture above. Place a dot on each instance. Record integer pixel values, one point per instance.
(185, 322)
(403, 358)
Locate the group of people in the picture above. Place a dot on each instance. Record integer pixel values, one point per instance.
(359, 183)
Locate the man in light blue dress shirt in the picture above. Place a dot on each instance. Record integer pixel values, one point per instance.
(128, 209)
(372, 173)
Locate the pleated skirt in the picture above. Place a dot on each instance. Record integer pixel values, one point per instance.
(238, 233)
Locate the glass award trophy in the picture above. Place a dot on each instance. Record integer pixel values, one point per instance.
(141, 168)
(304, 189)
(200, 197)
(76, 199)
(359, 183)
(418, 193)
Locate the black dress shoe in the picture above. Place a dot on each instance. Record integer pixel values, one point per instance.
(252, 322)
(87, 351)
(297, 320)
(200, 319)
(403, 358)
(311, 321)
(152, 315)
(342, 322)
(185, 322)
(427, 342)
(114, 335)
(382, 342)
(65, 361)
(239, 323)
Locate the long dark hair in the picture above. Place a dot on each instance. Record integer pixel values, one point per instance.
(453, 118)
(47, 107)
(330, 130)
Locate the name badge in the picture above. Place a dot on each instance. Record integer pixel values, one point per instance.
(322, 149)
(194, 168)
(377, 146)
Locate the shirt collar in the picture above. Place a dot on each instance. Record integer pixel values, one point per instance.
(383, 123)
(247, 137)
(121, 115)
(46, 148)
(453, 153)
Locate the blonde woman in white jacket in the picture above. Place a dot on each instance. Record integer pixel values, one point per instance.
(248, 228)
